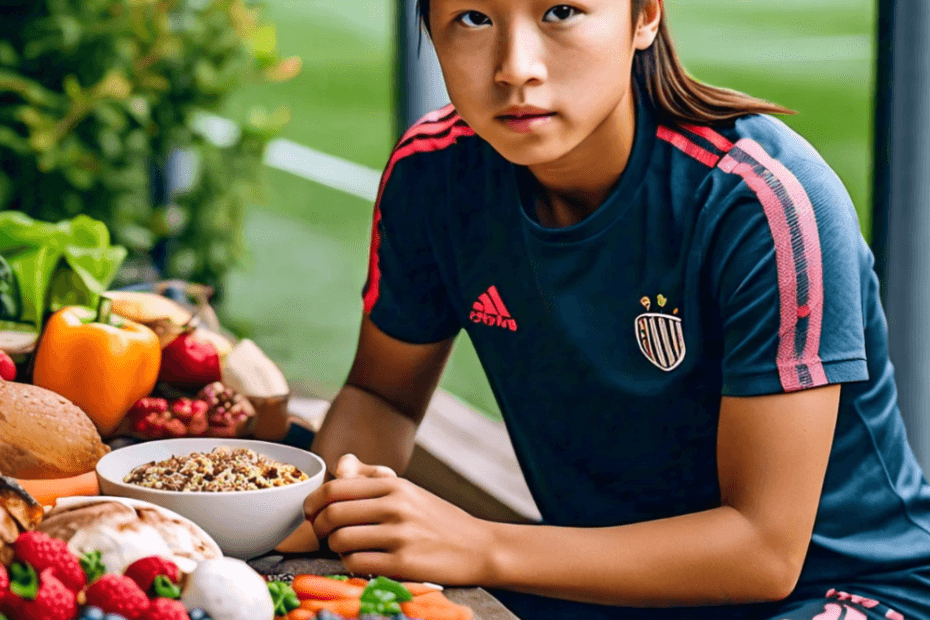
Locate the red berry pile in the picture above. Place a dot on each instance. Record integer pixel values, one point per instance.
(46, 582)
(156, 418)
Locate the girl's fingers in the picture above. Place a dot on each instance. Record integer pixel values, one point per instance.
(350, 513)
(350, 467)
(346, 489)
(370, 563)
(358, 538)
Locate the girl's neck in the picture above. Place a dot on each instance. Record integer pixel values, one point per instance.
(574, 186)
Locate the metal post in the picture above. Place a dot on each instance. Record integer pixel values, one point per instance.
(419, 88)
(901, 229)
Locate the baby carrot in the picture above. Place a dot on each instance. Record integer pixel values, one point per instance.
(324, 589)
(346, 607)
(435, 609)
(300, 614)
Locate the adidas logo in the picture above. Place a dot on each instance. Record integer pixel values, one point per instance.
(490, 310)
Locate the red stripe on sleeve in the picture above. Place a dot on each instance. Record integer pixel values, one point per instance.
(710, 135)
(422, 145)
(687, 146)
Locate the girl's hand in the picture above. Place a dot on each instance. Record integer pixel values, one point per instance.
(384, 525)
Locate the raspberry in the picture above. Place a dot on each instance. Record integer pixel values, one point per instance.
(117, 594)
(4, 581)
(175, 428)
(164, 609)
(181, 409)
(42, 552)
(145, 570)
(144, 406)
(199, 423)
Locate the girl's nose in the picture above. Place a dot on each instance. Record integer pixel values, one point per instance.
(520, 57)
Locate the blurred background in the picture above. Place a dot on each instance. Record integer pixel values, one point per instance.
(100, 113)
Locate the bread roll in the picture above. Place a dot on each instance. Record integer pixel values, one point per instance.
(44, 435)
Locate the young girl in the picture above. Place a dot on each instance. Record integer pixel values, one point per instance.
(678, 315)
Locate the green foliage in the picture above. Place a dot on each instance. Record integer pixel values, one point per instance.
(96, 94)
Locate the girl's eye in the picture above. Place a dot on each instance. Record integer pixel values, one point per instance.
(560, 13)
(474, 19)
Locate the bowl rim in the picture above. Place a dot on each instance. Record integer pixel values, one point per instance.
(166, 493)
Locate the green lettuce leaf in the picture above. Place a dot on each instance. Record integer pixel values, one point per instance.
(68, 262)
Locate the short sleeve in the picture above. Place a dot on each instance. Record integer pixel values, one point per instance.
(404, 294)
(785, 264)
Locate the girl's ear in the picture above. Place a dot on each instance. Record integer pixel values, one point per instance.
(647, 24)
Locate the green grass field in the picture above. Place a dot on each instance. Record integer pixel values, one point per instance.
(298, 291)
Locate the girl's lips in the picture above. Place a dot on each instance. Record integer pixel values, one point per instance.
(525, 123)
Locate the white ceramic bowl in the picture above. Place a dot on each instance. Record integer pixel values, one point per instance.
(245, 524)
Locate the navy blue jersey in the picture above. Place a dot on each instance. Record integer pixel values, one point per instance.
(724, 262)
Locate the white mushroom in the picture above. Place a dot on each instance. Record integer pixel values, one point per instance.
(228, 589)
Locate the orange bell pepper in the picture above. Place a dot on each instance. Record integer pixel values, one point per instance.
(101, 362)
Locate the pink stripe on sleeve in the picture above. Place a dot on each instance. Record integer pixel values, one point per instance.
(787, 280)
(807, 223)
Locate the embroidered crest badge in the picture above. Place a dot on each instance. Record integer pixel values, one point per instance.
(660, 336)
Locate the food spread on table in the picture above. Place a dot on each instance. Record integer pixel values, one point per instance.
(223, 469)
(82, 367)
(116, 559)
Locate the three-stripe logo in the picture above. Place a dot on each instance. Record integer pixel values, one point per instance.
(490, 310)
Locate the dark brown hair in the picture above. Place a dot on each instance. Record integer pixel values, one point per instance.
(672, 91)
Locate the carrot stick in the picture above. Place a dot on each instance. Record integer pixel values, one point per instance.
(346, 607)
(324, 589)
(47, 491)
(300, 614)
(427, 608)
(357, 581)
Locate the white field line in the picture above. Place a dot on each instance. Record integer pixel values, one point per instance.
(337, 173)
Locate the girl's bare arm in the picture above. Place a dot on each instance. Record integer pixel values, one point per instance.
(772, 457)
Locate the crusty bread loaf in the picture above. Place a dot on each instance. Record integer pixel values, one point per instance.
(44, 435)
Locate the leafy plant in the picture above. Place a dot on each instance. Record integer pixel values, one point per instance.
(97, 95)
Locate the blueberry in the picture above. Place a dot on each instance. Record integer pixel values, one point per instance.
(92, 613)
(198, 614)
(325, 614)
(114, 617)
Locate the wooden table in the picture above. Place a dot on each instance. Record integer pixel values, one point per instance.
(485, 606)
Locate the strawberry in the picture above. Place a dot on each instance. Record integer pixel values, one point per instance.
(164, 609)
(189, 362)
(39, 598)
(145, 570)
(42, 552)
(4, 581)
(117, 594)
(7, 367)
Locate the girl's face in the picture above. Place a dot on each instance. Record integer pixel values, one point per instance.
(536, 78)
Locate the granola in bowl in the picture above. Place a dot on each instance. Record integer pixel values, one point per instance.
(222, 470)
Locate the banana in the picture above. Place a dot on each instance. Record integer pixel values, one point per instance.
(147, 307)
